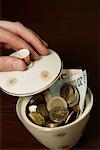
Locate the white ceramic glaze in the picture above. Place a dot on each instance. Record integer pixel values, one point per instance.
(23, 54)
(37, 78)
(58, 138)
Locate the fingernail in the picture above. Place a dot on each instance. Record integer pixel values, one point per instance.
(19, 65)
(45, 51)
(45, 43)
(34, 55)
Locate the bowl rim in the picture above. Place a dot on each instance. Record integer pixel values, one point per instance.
(27, 122)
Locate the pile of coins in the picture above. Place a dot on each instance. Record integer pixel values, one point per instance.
(48, 111)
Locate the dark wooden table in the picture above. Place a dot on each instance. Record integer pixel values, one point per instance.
(71, 28)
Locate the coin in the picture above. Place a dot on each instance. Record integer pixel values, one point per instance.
(43, 110)
(56, 101)
(36, 100)
(47, 95)
(59, 114)
(71, 117)
(72, 101)
(32, 108)
(70, 94)
(76, 109)
(52, 124)
(37, 118)
(75, 98)
(67, 91)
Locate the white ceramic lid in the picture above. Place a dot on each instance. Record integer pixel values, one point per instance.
(37, 78)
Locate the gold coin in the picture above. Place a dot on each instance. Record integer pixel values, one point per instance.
(51, 124)
(71, 117)
(43, 110)
(74, 99)
(76, 109)
(59, 114)
(67, 91)
(70, 94)
(37, 118)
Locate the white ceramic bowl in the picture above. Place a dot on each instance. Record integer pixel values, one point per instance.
(58, 138)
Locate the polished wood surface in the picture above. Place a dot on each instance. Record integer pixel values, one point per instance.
(71, 28)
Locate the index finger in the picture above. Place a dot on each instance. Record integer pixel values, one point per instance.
(26, 34)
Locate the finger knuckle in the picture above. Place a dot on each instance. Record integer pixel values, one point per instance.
(19, 25)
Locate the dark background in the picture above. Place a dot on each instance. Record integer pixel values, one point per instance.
(71, 28)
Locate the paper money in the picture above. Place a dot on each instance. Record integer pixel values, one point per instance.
(62, 103)
(78, 79)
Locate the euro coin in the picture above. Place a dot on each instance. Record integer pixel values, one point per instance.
(47, 95)
(36, 100)
(59, 114)
(43, 110)
(51, 124)
(67, 91)
(71, 117)
(37, 118)
(70, 94)
(76, 109)
(32, 108)
(56, 101)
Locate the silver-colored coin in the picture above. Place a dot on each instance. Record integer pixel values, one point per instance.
(43, 110)
(37, 118)
(59, 114)
(36, 100)
(47, 95)
(56, 101)
(32, 108)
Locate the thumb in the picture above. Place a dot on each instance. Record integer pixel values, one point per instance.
(9, 63)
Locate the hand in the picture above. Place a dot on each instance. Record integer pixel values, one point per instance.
(14, 35)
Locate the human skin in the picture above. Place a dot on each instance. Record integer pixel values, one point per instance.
(14, 35)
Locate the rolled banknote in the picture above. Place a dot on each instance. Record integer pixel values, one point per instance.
(73, 83)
